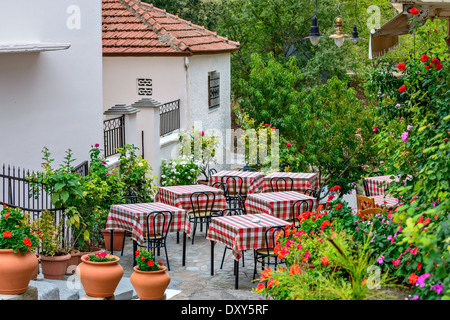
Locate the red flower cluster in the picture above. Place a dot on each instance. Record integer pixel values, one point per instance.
(401, 66)
(414, 11)
(435, 63)
(402, 89)
(335, 188)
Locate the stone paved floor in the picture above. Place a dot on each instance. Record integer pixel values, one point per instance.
(194, 279)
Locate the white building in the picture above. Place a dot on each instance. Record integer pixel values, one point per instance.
(50, 80)
(151, 58)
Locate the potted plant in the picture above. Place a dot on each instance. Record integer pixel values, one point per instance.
(18, 263)
(100, 273)
(150, 280)
(54, 260)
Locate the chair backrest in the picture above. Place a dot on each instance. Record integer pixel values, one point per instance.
(368, 213)
(280, 184)
(221, 185)
(270, 237)
(312, 193)
(366, 188)
(133, 197)
(158, 223)
(202, 201)
(364, 202)
(234, 183)
(301, 206)
(231, 212)
(212, 171)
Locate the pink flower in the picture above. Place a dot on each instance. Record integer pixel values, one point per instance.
(307, 254)
(405, 136)
(414, 251)
(375, 130)
(288, 145)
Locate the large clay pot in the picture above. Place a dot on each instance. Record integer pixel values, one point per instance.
(100, 279)
(150, 285)
(92, 250)
(118, 236)
(16, 271)
(54, 267)
(73, 262)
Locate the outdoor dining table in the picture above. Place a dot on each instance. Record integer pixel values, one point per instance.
(240, 233)
(132, 217)
(383, 201)
(180, 196)
(301, 181)
(278, 204)
(252, 182)
(376, 186)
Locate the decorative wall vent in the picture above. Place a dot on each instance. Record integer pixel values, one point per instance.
(144, 87)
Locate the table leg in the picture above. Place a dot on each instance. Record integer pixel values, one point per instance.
(134, 250)
(184, 249)
(236, 274)
(213, 243)
(111, 241)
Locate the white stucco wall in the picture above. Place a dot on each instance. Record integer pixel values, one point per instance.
(218, 119)
(51, 98)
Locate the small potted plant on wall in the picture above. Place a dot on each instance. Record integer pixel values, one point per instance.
(54, 260)
(100, 273)
(150, 280)
(18, 262)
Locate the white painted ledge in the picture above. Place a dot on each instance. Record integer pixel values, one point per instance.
(33, 47)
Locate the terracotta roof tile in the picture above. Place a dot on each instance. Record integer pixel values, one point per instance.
(134, 27)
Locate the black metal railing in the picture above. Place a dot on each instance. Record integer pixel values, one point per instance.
(114, 135)
(16, 191)
(169, 117)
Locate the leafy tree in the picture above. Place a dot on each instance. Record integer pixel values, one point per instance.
(327, 127)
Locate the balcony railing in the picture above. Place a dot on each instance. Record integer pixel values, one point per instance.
(114, 135)
(169, 117)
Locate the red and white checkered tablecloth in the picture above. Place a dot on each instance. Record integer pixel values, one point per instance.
(240, 233)
(252, 181)
(278, 204)
(382, 201)
(133, 218)
(302, 181)
(377, 185)
(179, 196)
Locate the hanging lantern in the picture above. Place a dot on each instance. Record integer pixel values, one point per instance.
(314, 34)
(339, 36)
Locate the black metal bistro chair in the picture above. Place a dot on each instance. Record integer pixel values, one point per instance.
(299, 207)
(224, 187)
(281, 184)
(234, 185)
(202, 205)
(212, 171)
(156, 235)
(231, 212)
(133, 197)
(265, 254)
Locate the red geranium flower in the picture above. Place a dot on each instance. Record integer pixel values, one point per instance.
(7, 234)
(402, 89)
(424, 58)
(401, 66)
(339, 206)
(150, 263)
(324, 260)
(288, 145)
(27, 242)
(413, 11)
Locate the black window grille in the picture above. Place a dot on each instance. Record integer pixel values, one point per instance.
(213, 89)
(169, 117)
(114, 135)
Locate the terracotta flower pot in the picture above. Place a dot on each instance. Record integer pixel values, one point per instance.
(73, 262)
(150, 285)
(92, 250)
(16, 271)
(99, 279)
(54, 267)
(118, 236)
